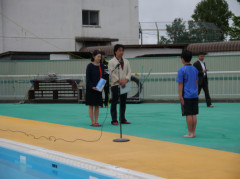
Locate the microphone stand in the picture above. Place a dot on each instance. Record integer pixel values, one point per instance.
(120, 116)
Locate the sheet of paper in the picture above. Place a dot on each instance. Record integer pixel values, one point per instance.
(126, 89)
(101, 84)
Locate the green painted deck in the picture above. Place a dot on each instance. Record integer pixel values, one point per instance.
(217, 128)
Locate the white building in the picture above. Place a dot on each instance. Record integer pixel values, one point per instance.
(66, 25)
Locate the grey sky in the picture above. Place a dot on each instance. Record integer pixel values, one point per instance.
(165, 11)
(168, 10)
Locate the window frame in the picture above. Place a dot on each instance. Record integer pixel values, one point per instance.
(89, 18)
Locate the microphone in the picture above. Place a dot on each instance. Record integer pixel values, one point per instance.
(117, 66)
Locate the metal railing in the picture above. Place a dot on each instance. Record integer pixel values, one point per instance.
(222, 84)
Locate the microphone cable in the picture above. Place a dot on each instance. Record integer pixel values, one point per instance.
(54, 138)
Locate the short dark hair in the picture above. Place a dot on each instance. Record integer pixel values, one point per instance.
(103, 53)
(186, 55)
(201, 53)
(116, 47)
(95, 53)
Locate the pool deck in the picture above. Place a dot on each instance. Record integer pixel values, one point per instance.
(155, 157)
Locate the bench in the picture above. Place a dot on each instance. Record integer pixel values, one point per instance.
(55, 89)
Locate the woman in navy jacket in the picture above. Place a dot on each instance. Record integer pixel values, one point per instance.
(94, 73)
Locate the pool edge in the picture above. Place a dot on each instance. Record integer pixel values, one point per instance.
(75, 161)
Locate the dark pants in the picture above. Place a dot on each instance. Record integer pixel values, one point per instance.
(123, 99)
(204, 86)
(106, 92)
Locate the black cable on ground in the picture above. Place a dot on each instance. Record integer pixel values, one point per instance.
(54, 139)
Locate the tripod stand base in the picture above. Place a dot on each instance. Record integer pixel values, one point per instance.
(121, 140)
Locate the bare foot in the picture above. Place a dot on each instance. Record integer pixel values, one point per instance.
(188, 136)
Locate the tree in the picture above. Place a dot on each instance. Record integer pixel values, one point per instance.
(176, 33)
(203, 32)
(196, 32)
(215, 11)
(234, 31)
(192, 32)
(164, 40)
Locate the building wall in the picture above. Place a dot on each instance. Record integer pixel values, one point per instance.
(224, 53)
(136, 52)
(118, 19)
(156, 64)
(1, 29)
(56, 23)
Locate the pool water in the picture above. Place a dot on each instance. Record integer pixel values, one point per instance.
(19, 165)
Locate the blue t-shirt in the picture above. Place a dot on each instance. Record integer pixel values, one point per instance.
(188, 75)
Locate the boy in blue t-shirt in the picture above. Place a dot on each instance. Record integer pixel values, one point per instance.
(187, 79)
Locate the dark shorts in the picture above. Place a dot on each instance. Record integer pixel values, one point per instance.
(190, 106)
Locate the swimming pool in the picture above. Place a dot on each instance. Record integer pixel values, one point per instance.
(15, 164)
(23, 161)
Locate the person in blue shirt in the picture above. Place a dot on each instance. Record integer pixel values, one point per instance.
(187, 79)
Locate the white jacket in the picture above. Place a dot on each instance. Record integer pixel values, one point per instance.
(125, 73)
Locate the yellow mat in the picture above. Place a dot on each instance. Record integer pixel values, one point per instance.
(164, 159)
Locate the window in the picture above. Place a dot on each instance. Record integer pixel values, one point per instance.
(90, 17)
